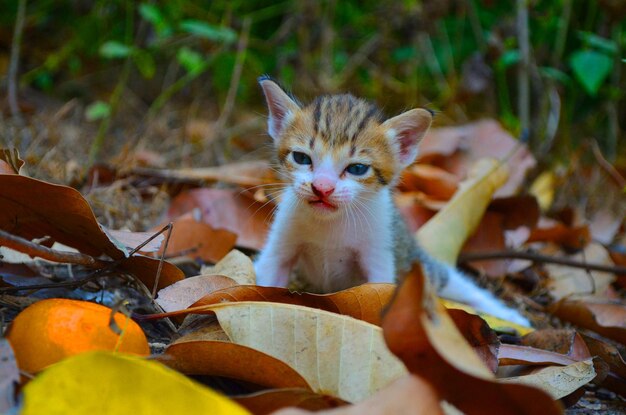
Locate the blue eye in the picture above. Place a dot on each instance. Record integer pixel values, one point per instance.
(301, 158)
(357, 169)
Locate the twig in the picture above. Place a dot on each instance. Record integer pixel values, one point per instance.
(110, 266)
(479, 256)
(169, 228)
(35, 250)
(229, 103)
(523, 92)
(608, 167)
(14, 60)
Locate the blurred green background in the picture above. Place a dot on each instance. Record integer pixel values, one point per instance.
(549, 71)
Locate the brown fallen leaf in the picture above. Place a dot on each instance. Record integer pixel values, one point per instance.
(269, 401)
(364, 302)
(408, 395)
(131, 240)
(423, 336)
(516, 211)
(479, 335)
(199, 240)
(66, 217)
(232, 360)
(227, 209)
(184, 293)
(558, 381)
(414, 213)
(607, 319)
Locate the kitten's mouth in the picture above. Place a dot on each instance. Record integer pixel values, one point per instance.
(322, 205)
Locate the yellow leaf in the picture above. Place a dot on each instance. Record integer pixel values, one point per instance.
(494, 322)
(103, 383)
(337, 355)
(543, 189)
(443, 236)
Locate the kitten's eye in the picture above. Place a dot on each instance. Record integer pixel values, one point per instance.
(301, 158)
(357, 169)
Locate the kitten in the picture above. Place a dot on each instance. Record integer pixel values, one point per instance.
(336, 225)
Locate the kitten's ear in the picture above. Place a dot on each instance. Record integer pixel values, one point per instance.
(280, 106)
(406, 131)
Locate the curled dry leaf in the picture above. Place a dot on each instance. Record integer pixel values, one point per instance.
(558, 381)
(479, 335)
(337, 355)
(232, 360)
(364, 302)
(67, 218)
(423, 336)
(199, 240)
(237, 266)
(607, 319)
(267, 402)
(184, 293)
(227, 209)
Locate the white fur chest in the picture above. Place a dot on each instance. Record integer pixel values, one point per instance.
(329, 253)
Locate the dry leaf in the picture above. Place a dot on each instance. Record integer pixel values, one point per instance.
(237, 266)
(423, 336)
(364, 302)
(227, 209)
(434, 181)
(616, 378)
(570, 238)
(131, 240)
(489, 236)
(608, 319)
(558, 381)
(184, 293)
(337, 355)
(267, 402)
(199, 240)
(67, 218)
(232, 360)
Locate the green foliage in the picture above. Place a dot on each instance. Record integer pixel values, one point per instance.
(461, 57)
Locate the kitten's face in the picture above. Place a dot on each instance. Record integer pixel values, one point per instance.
(337, 152)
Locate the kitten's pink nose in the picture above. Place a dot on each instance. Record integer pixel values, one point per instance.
(323, 187)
